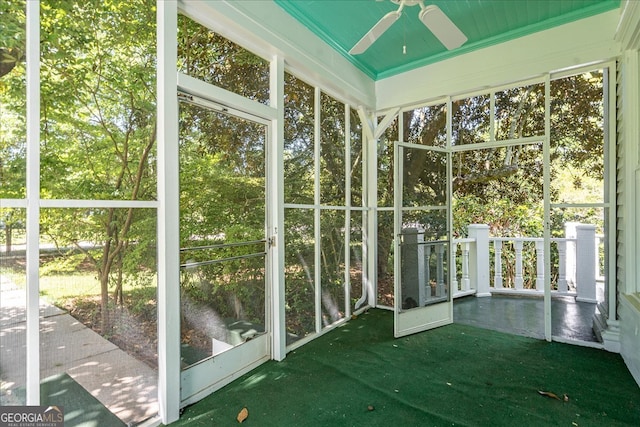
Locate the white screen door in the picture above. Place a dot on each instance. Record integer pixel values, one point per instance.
(422, 238)
(224, 271)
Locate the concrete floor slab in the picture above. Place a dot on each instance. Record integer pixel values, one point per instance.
(570, 320)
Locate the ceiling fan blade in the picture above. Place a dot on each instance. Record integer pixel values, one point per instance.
(442, 27)
(376, 31)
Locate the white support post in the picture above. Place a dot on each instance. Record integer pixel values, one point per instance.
(562, 266)
(276, 211)
(479, 259)
(168, 215)
(370, 220)
(519, 280)
(33, 205)
(540, 265)
(497, 264)
(347, 202)
(466, 283)
(585, 253)
(317, 213)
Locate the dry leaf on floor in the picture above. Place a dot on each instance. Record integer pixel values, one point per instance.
(243, 415)
(549, 394)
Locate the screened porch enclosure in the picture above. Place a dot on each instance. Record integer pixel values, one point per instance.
(201, 205)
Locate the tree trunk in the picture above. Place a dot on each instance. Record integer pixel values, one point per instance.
(8, 232)
(105, 317)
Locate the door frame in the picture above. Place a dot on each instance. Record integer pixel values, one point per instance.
(208, 375)
(431, 316)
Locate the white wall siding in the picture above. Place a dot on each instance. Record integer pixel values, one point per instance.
(630, 334)
(620, 182)
(628, 180)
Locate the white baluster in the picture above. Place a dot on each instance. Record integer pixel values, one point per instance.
(497, 264)
(440, 270)
(519, 281)
(427, 271)
(454, 272)
(562, 266)
(466, 283)
(539, 265)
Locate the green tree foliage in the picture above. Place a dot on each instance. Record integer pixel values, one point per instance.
(97, 128)
(12, 35)
(222, 184)
(207, 56)
(12, 114)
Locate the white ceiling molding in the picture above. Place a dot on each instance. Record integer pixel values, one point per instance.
(586, 41)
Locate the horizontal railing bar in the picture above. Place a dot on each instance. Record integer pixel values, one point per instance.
(217, 261)
(465, 240)
(431, 242)
(223, 245)
(424, 208)
(511, 239)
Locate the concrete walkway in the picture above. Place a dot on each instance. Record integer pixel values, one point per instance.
(126, 386)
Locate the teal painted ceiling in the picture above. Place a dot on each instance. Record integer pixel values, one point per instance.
(408, 44)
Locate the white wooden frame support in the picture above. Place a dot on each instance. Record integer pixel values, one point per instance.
(33, 204)
(546, 191)
(168, 214)
(370, 194)
(317, 233)
(275, 199)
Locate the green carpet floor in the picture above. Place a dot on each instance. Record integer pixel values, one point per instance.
(359, 375)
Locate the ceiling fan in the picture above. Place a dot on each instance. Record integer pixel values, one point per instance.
(431, 16)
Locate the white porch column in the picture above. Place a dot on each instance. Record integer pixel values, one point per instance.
(479, 259)
(585, 271)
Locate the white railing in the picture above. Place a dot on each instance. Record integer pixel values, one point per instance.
(462, 287)
(576, 274)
